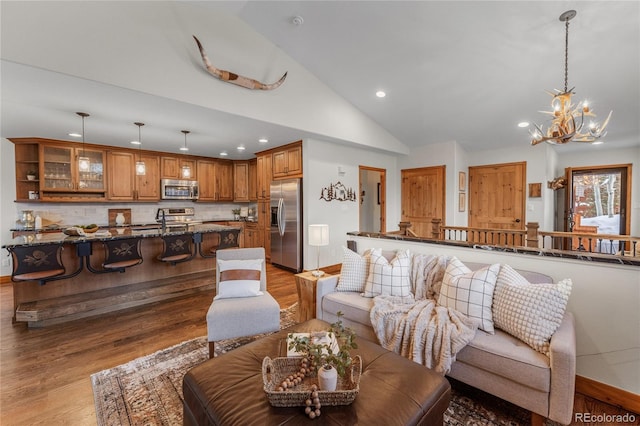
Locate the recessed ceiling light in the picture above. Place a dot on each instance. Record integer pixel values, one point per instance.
(241, 148)
(263, 140)
(523, 124)
(381, 94)
(75, 135)
(597, 143)
(136, 143)
(184, 148)
(224, 153)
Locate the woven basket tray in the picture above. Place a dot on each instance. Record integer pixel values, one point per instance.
(274, 371)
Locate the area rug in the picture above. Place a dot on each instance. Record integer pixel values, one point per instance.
(148, 390)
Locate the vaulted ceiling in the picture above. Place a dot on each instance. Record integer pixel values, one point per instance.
(452, 70)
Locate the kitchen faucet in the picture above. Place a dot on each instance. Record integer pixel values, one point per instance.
(163, 220)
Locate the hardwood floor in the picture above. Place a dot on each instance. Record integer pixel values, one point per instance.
(45, 373)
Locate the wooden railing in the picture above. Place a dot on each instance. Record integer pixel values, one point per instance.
(530, 236)
(621, 245)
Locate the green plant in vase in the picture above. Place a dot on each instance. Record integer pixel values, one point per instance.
(322, 350)
(236, 213)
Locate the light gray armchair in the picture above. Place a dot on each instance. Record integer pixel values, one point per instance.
(241, 316)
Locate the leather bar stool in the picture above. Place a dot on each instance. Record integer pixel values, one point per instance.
(42, 263)
(176, 248)
(122, 254)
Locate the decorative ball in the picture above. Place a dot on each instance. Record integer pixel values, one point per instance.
(307, 410)
(317, 412)
(308, 402)
(312, 414)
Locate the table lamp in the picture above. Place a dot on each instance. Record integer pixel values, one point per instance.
(318, 236)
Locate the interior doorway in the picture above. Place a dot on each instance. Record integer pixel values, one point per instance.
(372, 199)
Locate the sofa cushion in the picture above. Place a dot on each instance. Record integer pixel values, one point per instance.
(509, 357)
(352, 305)
(389, 278)
(530, 312)
(470, 292)
(354, 271)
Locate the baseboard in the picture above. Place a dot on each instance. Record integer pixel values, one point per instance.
(608, 394)
(5, 279)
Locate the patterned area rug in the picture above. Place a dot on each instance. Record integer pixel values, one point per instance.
(148, 390)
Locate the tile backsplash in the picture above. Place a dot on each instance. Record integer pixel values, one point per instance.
(80, 213)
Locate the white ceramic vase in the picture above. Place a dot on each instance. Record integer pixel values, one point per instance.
(327, 378)
(120, 219)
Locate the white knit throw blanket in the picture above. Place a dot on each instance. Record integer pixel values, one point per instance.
(419, 329)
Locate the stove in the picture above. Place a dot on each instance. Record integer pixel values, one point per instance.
(177, 216)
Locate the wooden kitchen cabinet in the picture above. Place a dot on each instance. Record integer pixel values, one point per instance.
(263, 171)
(253, 180)
(287, 162)
(264, 226)
(61, 178)
(27, 161)
(171, 167)
(241, 181)
(124, 185)
(215, 179)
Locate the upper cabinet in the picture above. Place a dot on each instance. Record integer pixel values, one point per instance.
(287, 162)
(263, 170)
(241, 181)
(27, 172)
(253, 180)
(171, 167)
(215, 179)
(61, 178)
(123, 182)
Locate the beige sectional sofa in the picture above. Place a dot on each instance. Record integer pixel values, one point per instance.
(499, 363)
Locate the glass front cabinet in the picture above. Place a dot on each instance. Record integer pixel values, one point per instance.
(63, 177)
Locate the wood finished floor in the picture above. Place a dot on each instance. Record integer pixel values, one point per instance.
(45, 373)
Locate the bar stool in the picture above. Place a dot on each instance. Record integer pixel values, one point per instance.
(176, 248)
(122, 254)
(42, 263)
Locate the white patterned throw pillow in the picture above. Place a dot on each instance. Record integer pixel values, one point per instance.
(530, 312)
(470, 293)
(389, 278)
(354, 271)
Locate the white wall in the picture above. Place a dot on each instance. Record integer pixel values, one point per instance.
(604, 300)
(320, 168)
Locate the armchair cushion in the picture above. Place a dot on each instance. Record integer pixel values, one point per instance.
(239, 278)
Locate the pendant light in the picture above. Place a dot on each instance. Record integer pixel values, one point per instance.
(186, 169)
(141, 169)
(84, 164)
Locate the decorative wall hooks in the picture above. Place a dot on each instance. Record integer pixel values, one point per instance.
(337, 191)
(230, 77)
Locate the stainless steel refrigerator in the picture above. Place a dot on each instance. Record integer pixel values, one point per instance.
(286, 224)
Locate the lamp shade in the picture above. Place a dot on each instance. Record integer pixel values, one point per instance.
(319, 235)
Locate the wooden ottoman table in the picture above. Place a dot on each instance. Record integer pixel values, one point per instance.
(228, 390)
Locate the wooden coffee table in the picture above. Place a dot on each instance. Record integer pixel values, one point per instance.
(228, 390)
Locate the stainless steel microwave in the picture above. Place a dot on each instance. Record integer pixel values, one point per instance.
(174, 189)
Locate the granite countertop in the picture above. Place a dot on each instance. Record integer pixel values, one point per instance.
(565, 254)
(110, 233)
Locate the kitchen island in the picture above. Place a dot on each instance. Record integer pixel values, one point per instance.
(88, 287)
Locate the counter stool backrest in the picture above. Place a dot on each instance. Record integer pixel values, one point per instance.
(122, 253)
(176, 248)
(37, 263)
